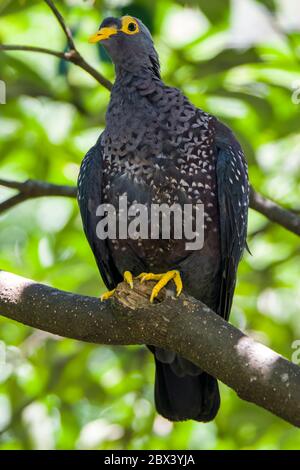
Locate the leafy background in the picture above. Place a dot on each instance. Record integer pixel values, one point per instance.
(238, 60)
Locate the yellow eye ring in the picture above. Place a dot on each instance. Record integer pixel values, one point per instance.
(130, 25)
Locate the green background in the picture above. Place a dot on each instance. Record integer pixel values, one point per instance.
(62, 394)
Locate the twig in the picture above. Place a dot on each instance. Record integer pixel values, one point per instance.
(274, 212)
(14, 47)
(77, 59)
(62, 23)
(182, 325)
(72, 56)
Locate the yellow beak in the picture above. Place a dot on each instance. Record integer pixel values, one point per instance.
(102, 34)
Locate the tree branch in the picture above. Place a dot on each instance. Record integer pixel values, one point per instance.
(183, 325)
(15, 47)
(274, 212)
(62, 23)
(76, 58)
(72, 56)
(33, 189)
(12, 202)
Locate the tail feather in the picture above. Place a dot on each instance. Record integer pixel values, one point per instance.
(179, 398)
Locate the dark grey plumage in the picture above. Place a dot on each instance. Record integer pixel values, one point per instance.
(158, 148)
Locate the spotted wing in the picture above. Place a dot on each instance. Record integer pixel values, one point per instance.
(233, 198)
(89, 198)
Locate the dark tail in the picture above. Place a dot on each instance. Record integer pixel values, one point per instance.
(187, 397)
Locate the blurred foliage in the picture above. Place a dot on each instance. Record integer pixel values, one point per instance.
(58, 393)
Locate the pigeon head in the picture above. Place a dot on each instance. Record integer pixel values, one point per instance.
(129, 44)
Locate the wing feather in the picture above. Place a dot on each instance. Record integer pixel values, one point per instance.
(89, 198)
(233, 198)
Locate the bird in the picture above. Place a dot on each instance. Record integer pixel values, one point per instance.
(158, 148)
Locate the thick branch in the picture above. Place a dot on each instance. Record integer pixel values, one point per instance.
(33, 189)
(184, 325)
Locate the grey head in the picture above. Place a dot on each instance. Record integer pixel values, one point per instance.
(129, 44)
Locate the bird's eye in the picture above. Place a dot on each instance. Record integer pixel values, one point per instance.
(132, 27)
(129, 25)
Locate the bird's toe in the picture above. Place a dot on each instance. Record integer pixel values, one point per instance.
(163, 280)
(128, 277)
(107, 295)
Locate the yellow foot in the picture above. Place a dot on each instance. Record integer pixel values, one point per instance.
(163, 280)
(107, 295)
(127, 276)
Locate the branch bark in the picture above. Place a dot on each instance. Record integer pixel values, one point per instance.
(33, 189)
(184, 325)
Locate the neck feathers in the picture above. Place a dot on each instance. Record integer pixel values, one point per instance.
(144, 68)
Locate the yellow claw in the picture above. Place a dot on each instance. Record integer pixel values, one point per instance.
(128, 277)
(163, 280)
(107, 295)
